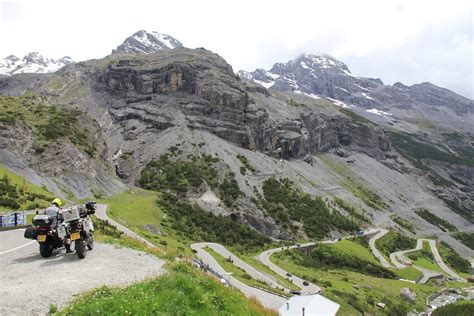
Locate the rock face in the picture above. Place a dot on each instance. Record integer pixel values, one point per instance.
(32, 63)
(209, 97)
(144, 42)
(320, 75)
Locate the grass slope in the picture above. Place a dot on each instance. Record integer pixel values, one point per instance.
(35, 196)
(183, 291)
(137, 210)
(358, 293)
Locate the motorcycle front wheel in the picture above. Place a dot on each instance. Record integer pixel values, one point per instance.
(46, 249)
(80, 248)
(90, 242)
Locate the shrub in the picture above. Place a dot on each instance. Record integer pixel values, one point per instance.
(431, 218)
(285, 203)
(197, 224)
(465, 238)
(395, 242)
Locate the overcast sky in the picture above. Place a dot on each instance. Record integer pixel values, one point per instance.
(408, 41)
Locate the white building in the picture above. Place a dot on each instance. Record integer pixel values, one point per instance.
(309, 305)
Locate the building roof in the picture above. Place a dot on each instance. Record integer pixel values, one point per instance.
(314, 305)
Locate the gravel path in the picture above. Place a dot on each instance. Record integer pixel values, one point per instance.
(29, 283)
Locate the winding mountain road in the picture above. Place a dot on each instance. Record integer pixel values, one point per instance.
(267, 299)
(375, 251)
(398, 258)
(264, 257)
(273, 301)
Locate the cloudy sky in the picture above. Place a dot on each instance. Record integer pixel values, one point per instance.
(408, 41)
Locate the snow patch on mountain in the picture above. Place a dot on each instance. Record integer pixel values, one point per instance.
(311, 95)
(34, 62)
(379, 112)
(147, 42)
(338, 103)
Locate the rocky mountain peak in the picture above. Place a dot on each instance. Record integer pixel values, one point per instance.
(145, 42)
(33, 62)
(35, 57)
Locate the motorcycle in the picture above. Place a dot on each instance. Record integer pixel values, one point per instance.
(46, 235)
(76, 227)
(79, 227)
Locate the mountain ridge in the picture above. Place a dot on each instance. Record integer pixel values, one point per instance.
(33, 62)
(189, 106)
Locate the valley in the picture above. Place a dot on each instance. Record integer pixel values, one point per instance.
(299, 180)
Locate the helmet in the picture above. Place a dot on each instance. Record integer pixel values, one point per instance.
(57, 201)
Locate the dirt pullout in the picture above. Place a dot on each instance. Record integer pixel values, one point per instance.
(29, 283)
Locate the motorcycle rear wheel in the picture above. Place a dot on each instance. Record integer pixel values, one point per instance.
(46, 249)
(80, 248)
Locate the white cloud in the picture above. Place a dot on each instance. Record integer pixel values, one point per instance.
(248, 34)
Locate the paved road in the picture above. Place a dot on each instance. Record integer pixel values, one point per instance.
(265, 259)
(30, 283)
(440, 262)
(375, 251)
(427, 274)
(224, 252)
(101, 213)
(266, 299)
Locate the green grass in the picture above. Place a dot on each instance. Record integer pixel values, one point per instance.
(349, 247)
(346, 256)
(266, 270)
(137, 210)
(34, 197)
(240, 274)
(409, 273)
(182, 291)
(427, 264)
(339, 286)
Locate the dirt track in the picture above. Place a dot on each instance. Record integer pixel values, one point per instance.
(29, 283)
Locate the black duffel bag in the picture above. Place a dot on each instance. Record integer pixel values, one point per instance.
(30, 233)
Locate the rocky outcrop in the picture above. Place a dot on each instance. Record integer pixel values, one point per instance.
(198, 88)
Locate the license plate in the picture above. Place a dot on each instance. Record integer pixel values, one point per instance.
(75, 235)
(41, 238)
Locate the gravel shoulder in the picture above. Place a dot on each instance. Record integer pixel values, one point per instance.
(30, 283)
